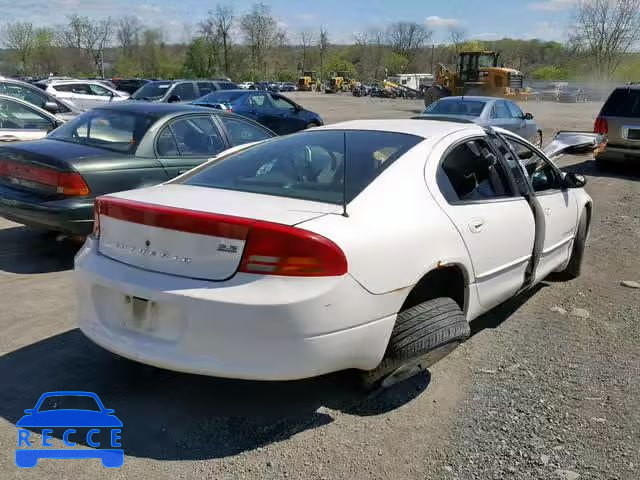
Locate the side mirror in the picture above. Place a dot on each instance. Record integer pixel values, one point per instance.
(574, 180)
(51, 107)
(528, 116)
(173, 98)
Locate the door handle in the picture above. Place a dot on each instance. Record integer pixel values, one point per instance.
(476, 225)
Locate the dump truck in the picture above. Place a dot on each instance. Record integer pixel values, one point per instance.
(477, 73)
(307, 81)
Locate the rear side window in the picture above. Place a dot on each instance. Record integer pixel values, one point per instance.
(186, 91)
(471, 172)
(309, 165)
(205, 88)
(623, 102)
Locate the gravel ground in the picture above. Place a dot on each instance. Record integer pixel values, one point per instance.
(548, 387)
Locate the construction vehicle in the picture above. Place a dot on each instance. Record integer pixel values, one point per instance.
(477, 73)
(307, 81)
(339, 82)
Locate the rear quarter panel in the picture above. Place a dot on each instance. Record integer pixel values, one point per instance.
(395, 232)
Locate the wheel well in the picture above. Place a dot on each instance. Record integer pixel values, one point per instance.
(441, 282)
(588, 207)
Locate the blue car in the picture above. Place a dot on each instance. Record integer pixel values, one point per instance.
(69, 409)
(274, 111)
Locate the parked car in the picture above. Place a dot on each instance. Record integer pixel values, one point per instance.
(274, 87)
(288, 87)
(29, 93)
(20, 120)
(130, 85)
(487, 111)
(274, 111)
(266, 265)
(572, 95)
(51, 183)
(173, 91)
(246, 85)
(83, 94)
(618, 124)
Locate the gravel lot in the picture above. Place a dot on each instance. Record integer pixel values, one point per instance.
(548, 387)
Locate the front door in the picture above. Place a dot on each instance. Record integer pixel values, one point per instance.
(288, 118)
(494, 220)
(187, 142)
(558, 206)
(259, 109)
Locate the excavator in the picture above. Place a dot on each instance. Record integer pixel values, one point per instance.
(477, 73)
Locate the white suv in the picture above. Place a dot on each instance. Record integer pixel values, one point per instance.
(84, 94)
(368, 244)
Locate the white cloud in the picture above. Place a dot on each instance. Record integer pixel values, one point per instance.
(439, 22)
(552, 5)
(486, 36)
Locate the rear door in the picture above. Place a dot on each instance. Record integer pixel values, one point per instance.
(476, 190)
(558, 205)
(188, 141)
(20, 122)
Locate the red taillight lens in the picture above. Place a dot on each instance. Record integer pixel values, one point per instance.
(601, 126)
(274, 249)
(66, 183)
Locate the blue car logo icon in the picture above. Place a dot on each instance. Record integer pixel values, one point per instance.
(70, 410)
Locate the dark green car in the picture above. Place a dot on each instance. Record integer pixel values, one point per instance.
(51, 183)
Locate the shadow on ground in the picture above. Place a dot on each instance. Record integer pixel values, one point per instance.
(167, 415)
(626, 171)
(26, 251)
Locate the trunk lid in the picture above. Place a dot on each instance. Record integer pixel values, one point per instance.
(196, 232)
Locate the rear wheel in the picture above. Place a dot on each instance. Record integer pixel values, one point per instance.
(422, 335)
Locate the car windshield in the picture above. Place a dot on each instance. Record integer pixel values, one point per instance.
(152, 91)
(623, 102)
(470, 108)
(309, 166)
(69, 402)
(114, 130)
(222, 97)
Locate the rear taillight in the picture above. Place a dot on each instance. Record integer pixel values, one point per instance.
(601, 126)
(65, 183)
(274, 249)
(270, 248)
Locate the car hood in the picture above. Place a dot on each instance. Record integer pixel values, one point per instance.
(69, 418)
(54, 152)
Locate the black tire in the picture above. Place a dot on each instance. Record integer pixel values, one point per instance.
(574, 267)
(433, 94)
(422, 335)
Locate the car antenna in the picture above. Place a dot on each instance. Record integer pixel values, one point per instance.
(344, 176)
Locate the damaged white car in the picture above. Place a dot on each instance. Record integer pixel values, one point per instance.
(365, 245)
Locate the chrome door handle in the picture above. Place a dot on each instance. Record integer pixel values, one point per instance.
(476, 225)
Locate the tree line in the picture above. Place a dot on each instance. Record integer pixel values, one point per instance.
(251, 45)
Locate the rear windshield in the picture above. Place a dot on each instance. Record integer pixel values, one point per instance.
(111, 129)
(152, 91)
(309, 165)
(623, 102)
(221, 97)
(470, 108)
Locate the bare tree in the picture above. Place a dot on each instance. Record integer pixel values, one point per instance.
(323, 44)
(606, 30)
(306, 39)
(19, 37)
(128, 33)
(72, 34)
(96, 37)
(260, 30)
(457, 36)
(406, 38)
(224, 20)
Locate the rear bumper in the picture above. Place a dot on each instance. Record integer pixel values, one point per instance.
(619, 154)
(70, 215)
(251, 327)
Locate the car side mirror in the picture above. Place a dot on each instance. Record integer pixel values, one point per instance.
(173, 98)
(528, 116)
(51, 107)
(574, 180)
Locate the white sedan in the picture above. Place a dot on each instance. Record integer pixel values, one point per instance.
(364, 245)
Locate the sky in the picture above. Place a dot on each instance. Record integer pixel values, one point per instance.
(484, 20)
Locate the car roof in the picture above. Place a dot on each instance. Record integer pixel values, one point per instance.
(152, 108)
(472, 97)
(419, 127)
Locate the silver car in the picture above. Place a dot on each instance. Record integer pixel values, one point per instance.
(487, 111)
(20, 120)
